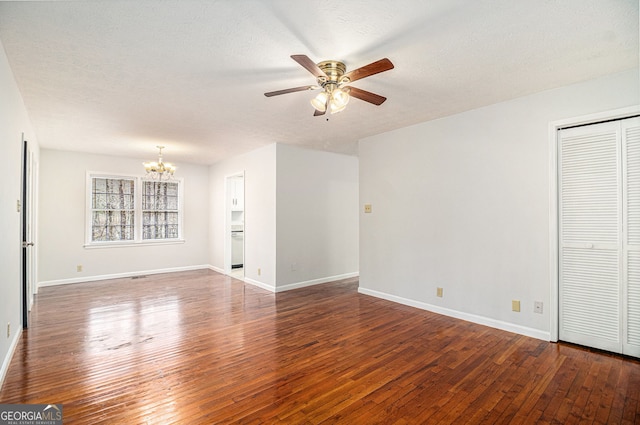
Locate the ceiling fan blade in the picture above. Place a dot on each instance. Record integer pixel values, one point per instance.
(371, 69)
(309, 65)
(367, 96)
(285, 91)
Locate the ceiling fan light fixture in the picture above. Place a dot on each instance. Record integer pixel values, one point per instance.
(339, 100)
(334, 80)
(320, 101)
(335, 108)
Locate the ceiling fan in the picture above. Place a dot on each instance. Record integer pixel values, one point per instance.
(332, 77)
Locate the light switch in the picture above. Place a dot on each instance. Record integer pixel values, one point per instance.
(367, 208)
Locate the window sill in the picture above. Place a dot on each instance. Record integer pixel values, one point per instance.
(100, 245)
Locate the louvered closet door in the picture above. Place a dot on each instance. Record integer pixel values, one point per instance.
(631, 246)
(590, 247)
(599, 207)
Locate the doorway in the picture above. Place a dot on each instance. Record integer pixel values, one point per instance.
(234, 225)
(27, 231)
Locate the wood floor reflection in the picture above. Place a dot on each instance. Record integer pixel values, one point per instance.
(202, 348)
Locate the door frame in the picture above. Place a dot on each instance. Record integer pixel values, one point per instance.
(554, 252)
(227, 220)
(27, 231)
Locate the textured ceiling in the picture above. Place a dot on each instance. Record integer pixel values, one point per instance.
(120, 77)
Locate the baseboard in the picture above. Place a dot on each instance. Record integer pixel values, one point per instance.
(259, 284)
(216, 269)
(312, 282)
(297, 285)
(7, 360)
(121, 275)
(480, 320)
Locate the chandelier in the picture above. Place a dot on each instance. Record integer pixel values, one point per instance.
(159, 170)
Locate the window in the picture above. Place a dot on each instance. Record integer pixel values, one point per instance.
(159, 210)
(112, 209)
(125, 210)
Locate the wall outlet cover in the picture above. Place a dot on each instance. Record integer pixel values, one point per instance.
(515, 305)
(538, 307)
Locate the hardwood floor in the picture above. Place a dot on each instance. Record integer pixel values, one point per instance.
(202, 348)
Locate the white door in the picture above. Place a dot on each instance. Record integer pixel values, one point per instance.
(631, 241)
(599, 257)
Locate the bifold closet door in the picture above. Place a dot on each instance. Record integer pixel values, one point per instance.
(631, 243)
(599, 233)
(590, 227)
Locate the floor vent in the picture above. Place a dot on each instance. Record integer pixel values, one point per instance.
(138, 277)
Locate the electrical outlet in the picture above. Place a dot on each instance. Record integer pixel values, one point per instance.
(439, 292)
(294, 267)
(18, 206)
(79, 268)
(515, 305)
(259, 272)
(367, 208)
(8, 329)
(537, 307)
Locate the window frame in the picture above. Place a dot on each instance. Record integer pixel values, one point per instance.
(158, 211)
(138, 212)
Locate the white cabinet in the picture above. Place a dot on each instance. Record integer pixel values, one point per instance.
(236, 193)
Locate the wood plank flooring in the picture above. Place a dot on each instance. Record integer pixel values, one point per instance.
(202, 348)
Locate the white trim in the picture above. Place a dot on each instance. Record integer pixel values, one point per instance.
(297, 285)
(227, 221)
(480, 320)
(122, 244)
(259, 284)
(88, 216)
(312, 282)
(9, 356)
(120, 275)
(137, 210)
(216, 269)
(554, 126)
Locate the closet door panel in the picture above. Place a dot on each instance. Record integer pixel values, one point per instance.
(631, 282)
(632, 182)
(632, 340)
(589, 308)
(589, 188)
(590, 227)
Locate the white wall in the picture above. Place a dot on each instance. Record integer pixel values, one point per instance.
(317, 216)
(13, 123)
(462, 203)
(300, 208)
(62, 207)
(259, 167)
